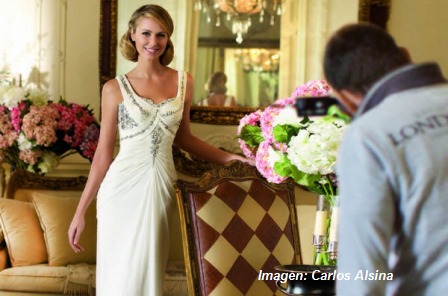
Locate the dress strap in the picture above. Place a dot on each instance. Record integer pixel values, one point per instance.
(182, 85)
(123, 86)
(228, 101)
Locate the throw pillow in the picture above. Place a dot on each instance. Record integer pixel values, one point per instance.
(55, 215)
(22, 231)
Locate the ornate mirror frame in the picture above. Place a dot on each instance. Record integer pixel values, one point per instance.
(108, 40)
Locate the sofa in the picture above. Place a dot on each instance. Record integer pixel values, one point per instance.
(35, 256)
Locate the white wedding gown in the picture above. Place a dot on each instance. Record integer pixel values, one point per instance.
(136, 198)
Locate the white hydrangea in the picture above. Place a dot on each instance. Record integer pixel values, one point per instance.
(38, 97)
(273, 157)
(49, 161)
(287, 115)
(13, 96)
(314, 150)
(24, 143)
(3, 89)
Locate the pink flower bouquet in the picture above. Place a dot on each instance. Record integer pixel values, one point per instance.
(280, 141)
(36, 133)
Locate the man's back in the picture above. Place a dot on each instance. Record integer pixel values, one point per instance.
(393, 170)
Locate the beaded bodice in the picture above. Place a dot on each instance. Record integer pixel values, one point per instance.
(146, 127)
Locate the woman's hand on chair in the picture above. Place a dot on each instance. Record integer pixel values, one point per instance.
(245, 160)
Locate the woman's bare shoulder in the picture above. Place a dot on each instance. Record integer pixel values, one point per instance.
(111, 90)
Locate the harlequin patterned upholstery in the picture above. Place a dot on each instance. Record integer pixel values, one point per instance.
(234, 225)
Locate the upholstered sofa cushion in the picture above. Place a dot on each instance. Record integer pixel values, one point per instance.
(55, 215)
(22, 232)
(48, 279)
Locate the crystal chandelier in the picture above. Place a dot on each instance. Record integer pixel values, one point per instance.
(258, 59)
(239, 12)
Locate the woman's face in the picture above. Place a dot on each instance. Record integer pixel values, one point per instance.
(150, 39)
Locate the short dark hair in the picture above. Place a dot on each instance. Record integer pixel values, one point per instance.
(358, 55)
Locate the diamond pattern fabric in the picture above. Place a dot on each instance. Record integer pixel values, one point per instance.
(241, 228)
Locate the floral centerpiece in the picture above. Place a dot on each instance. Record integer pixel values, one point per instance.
(36, 133)
(286, 146)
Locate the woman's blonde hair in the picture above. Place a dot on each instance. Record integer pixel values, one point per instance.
(158, 13)
(217, 83)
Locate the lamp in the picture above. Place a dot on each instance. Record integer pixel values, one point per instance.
(239, 12)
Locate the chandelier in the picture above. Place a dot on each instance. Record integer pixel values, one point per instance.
(239, 12)
(258, 59)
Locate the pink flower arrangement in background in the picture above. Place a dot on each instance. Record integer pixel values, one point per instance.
(313, 88)
(36, 133)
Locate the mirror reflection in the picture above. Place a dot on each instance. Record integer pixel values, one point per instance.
(248, 71)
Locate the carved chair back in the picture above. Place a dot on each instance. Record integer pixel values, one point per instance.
(235, 225)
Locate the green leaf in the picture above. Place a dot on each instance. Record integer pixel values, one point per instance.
(251, 135)
(283, 167)
(303, 178)
(316, 188)
(336, 112)
(305, 120)
(284, 133)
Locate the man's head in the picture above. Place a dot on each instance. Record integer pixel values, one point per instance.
(356, 57)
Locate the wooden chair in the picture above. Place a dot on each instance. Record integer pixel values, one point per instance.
(234, 225)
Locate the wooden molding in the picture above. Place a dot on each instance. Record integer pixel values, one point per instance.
(21, 179)
(108, 40)
(219, 115)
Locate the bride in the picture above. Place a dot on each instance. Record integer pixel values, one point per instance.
(149, 106)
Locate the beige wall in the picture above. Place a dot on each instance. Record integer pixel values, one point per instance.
(421, 26)
(306, 25)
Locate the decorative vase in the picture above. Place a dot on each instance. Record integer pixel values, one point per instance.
(308, 280)
(325, 230)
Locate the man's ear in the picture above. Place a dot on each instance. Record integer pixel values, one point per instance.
(350, 100)
(406, 53)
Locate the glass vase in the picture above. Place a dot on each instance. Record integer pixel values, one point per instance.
(325, 230)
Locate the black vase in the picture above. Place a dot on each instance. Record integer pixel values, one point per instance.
(308, 279)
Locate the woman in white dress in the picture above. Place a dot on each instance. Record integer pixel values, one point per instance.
(216, 89)
(149, 106)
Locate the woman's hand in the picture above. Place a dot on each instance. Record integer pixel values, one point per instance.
(248, 161)
(74, 233)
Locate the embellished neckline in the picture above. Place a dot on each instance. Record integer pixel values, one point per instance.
(150, 101)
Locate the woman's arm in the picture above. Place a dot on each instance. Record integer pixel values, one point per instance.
(186, 141)
(111, 97)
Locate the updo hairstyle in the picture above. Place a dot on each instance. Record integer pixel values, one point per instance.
(158, 13)
(217, 83)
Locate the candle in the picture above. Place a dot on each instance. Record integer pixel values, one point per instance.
(320, 228)
(334, 225)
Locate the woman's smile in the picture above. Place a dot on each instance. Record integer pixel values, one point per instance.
(150, 38)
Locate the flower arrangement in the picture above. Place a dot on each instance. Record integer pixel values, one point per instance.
(286, 146)
(36, 133)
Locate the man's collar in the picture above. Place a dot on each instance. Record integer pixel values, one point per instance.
(404, 78)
